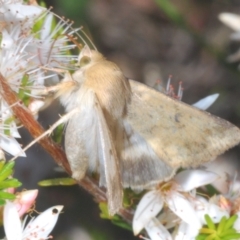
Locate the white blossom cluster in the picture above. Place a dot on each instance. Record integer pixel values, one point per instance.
(31, 42)
(175, 211)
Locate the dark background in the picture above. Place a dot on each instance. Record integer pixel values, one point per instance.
(148, 46)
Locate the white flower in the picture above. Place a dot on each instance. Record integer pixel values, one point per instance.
(175, 194)
(186, 232)
(237, 223)
(216, 208)
(206, 102)
(157, 231)
(233, 21)
(215, 212)
(23, 54)
(18, 16)
(7, 141)
(38, 228)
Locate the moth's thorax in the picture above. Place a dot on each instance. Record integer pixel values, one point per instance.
(106, 80)
(110, 86)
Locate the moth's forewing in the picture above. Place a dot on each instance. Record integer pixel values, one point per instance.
(89, 147)
(181, 135)
(109, 163)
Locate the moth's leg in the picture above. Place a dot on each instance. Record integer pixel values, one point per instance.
(65, 83)
(60, 87)
(63, 119)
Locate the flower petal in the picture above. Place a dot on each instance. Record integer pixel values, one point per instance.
(231, 20)
(7, 40)
(157, 231)
(236, 225)
(35, 106)
(186, 232)
(149, 206)
(17, 12)
(191, 179)
(206, 102)
(25, 200)
(216, 213)
(42, 225)
(11, 146)
(183, 209)
(11, 222)
(46, 29)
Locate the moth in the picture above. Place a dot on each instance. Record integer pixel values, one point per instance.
(130, 134)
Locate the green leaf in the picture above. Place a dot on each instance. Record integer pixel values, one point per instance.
(2, 202)
(170, 10)
(231, 236)
(207, 231)
(42, 4)
(228, 232)
(209, 221)
(10, 183)
(7, 166)
(201, 237)
(130, 198)
(211, 237)
(6, 195)
(221, 225)
(57, 182)
(121, 223)
(211, 190)
(104, 210)
(117, 220)
(7, 123)
(230, 222)
(2, 162)
(24, 90)
(58, 133)
(5, 174)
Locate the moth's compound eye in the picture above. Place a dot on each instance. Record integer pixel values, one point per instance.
(84, 61)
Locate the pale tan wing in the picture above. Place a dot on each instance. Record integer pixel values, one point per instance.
(75, 147)
(108, 161)
(88, 134)
(179, 134)
(141, 167)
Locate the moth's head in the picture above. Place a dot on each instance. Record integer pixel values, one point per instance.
(87, 57)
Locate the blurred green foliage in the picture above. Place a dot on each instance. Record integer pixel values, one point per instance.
(6, 181)
(222, 231)
(57, 182)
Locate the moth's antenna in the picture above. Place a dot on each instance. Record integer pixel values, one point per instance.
(89, 39)
(75, 31)
(82, 39)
